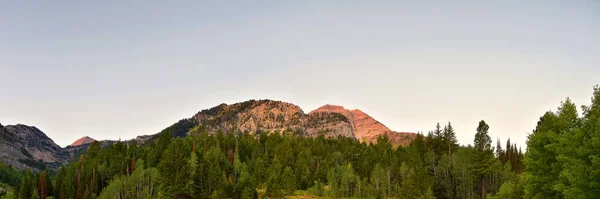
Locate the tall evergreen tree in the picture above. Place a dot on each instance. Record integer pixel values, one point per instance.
(174, 170)
(449, 139)
(483, 158)
(288, 181)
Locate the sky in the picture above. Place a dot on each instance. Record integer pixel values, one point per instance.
(118, 69)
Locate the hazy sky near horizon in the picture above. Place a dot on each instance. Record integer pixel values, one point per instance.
(116, 69)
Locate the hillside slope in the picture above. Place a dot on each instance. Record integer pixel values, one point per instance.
(26, 147)
(365, 127)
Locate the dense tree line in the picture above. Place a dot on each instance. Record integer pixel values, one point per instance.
(277, 164)
(562, 161)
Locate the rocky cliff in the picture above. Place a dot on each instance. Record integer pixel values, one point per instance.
(328, 124)
(269, 116)
(365, 127)
(252, 116)
(26, 147)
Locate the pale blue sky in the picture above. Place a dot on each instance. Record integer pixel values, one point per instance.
(111, 70)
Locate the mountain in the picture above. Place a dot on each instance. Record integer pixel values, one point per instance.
(26, 147)
(270, 116)
(257, 116)
(83, 141)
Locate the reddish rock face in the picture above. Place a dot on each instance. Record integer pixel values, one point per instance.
(367, 129)
(82, 141)
(271, 116)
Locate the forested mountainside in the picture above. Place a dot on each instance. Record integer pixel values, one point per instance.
(28, 148)
(560, 162)
(32, 149)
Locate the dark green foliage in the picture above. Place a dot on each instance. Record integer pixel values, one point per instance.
(180, 128)
(563, 158)
(33, 163)
(26, 188)
(511, 155)
(142, 183)
(449, 139)
(10, 176)
(228, 165)
(174, 170)
(288, 181)
(483, 158)
(512, 189)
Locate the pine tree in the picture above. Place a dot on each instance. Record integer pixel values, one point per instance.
(483, 158)
(288, 180)
(449, 139)
(437, 141)
(174, 170)
(214, 178)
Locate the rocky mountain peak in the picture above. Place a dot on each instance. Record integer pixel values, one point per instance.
(83, 141)
(269, 116)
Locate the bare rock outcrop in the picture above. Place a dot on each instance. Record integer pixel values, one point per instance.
(26, 147)
(271, 116)
(365, 127)
(328, 124)
(253, 116)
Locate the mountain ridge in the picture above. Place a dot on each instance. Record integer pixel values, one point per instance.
(268, 115)
(27, 147)
(256, 116)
